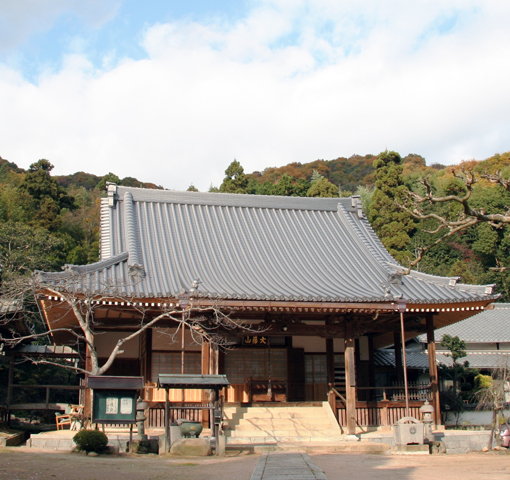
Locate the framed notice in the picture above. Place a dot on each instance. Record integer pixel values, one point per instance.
(112, 406)
(126, 406)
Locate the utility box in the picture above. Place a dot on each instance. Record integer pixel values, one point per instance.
(409, 431)
(114, 399)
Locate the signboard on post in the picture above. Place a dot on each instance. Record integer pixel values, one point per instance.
(114, 398)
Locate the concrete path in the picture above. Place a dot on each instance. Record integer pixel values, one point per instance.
(287, 466)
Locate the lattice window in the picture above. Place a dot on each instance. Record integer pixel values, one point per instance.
(170, 362)
(315, 368)
(254, 363)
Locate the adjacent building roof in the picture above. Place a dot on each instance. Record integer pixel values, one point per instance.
(156, 243)
(420, 360)
(489, 326)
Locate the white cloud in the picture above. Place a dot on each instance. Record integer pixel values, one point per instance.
(376, 78)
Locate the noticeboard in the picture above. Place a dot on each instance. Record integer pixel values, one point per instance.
(114, 406)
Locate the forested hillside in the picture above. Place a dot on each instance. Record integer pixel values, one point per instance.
(47, 221)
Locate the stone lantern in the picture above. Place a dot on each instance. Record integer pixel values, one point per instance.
(141, 406)
(427, 413)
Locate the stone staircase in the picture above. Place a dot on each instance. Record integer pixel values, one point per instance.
(276, 425)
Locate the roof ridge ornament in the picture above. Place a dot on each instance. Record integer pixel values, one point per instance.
(111, 190)
(356, 203)
(136, 270)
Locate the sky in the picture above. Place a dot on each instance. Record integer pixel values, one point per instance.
(171, 91)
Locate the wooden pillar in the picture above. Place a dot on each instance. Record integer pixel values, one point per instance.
(206, 394)
(434, 380)
(371, 366)
(397, 345)
(350, 378)
(330, 363)
(10, 381)
(167, 420)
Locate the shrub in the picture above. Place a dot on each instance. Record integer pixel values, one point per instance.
(91, 440)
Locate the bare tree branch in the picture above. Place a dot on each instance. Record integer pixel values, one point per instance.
(414, 204)
(77, 311)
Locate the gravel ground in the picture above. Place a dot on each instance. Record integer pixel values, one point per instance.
(21, 463)
(472, 466)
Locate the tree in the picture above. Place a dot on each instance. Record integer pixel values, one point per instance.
(24, 249)
(75, 300)
(109, 177)
(452, 400)
(492, 395)
(455, 345)
(42, 197)
(392, 225)
(322, 188)
(460, 206)
(235, 180)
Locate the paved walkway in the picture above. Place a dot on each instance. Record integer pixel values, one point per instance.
(287, 466)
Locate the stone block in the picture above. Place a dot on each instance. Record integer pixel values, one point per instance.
(193, 447)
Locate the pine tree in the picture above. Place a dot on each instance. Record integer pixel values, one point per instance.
(392, 225)
(235, 180)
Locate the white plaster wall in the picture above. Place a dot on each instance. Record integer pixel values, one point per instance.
(105, 343)
(472, 418)
(162, 340)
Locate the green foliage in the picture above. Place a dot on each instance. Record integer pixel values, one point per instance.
(455, 345)
(392, 225)
(322, 188)
(235, 180)
(192, 188)
(42, 198)
(483, 381)
(91, 440)
(109, 177)
(24, 248)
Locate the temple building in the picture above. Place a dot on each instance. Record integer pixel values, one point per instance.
(312, 282)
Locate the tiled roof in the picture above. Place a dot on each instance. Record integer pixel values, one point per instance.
(420, 360)
(489, 326)
(156, 243)
(386, 357)
(486, 359)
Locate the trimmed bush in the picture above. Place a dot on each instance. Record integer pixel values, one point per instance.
(91, 440)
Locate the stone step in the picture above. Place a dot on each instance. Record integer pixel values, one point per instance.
(275, 422)
(273, 411)
(323, 428)
(283, 416)
(269, 439)
(280, 433)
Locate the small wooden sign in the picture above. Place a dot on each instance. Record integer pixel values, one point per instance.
(255, 340)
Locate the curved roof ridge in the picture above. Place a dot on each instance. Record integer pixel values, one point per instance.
(231, 199)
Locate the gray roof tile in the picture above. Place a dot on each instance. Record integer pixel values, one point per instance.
(252, 247)
(489, 326)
